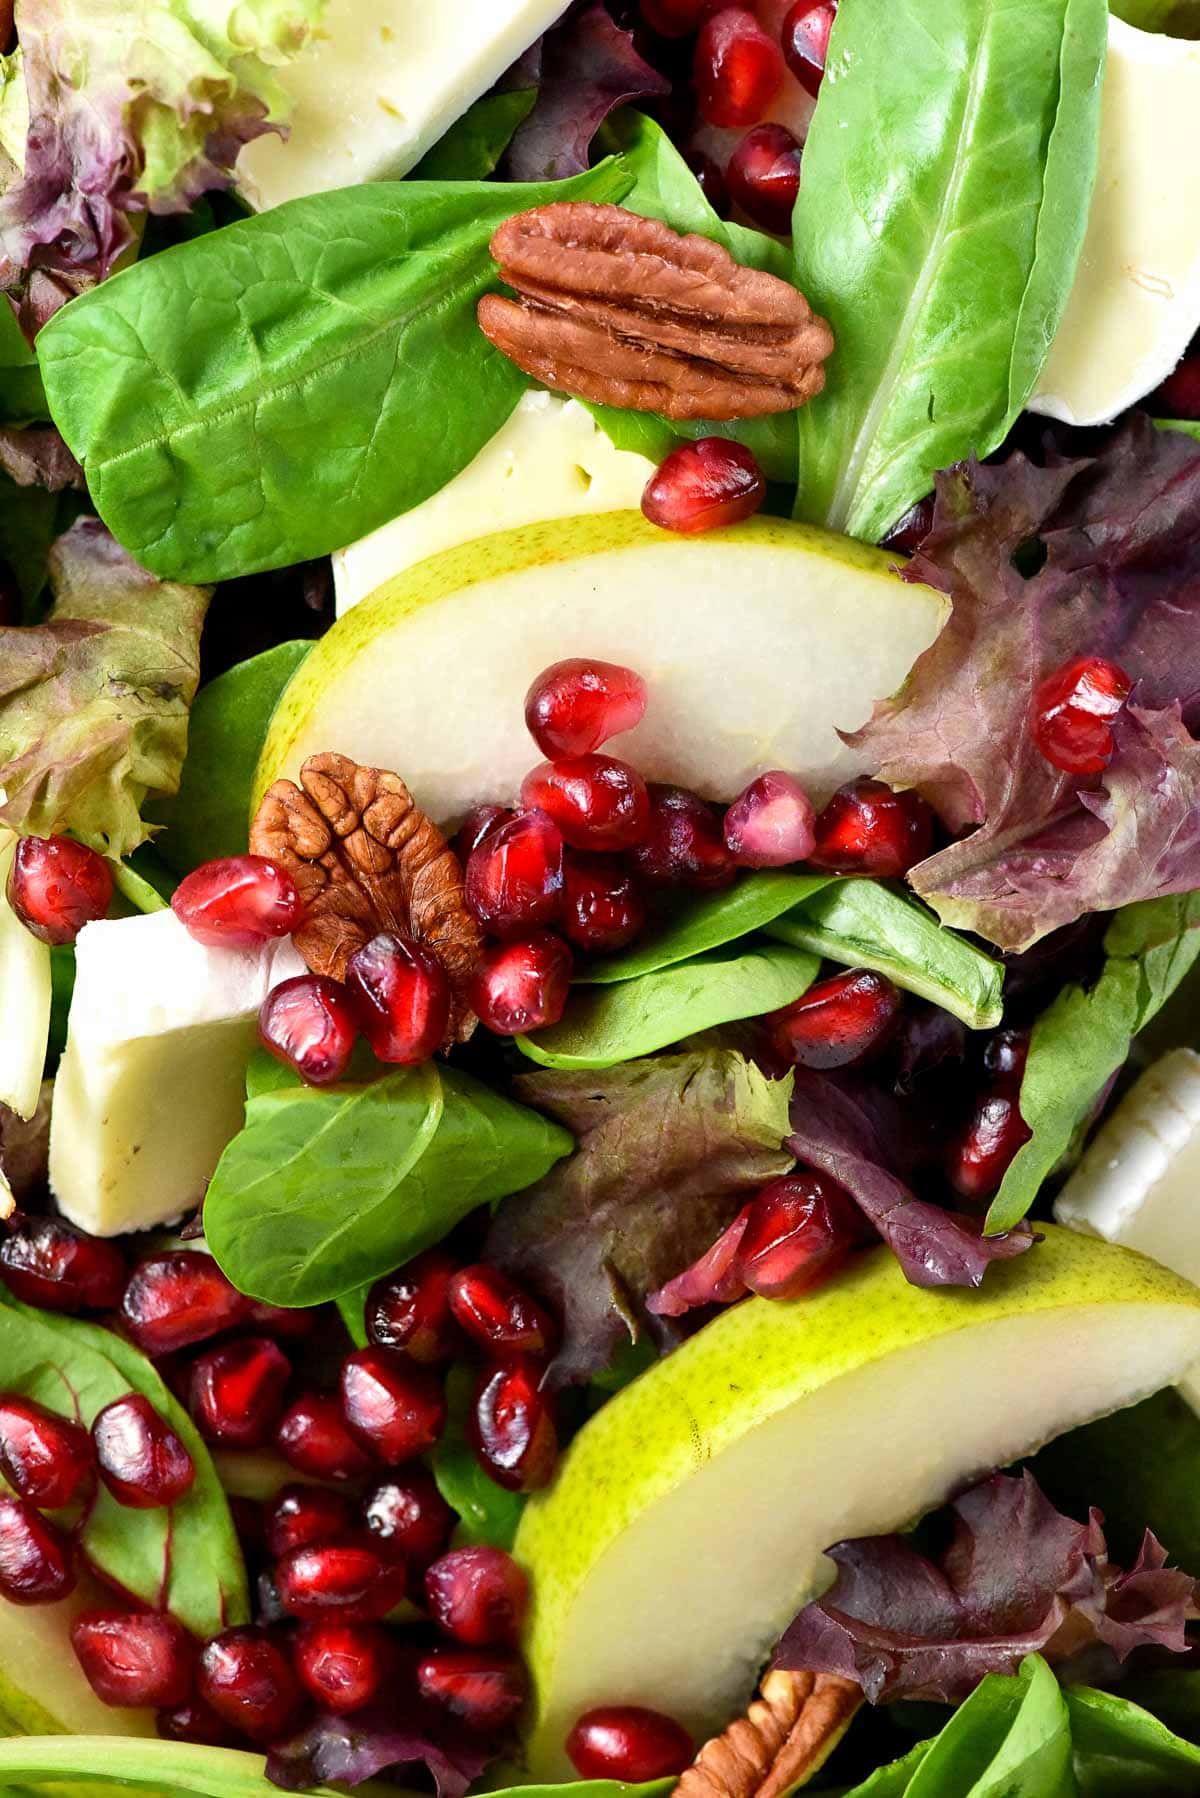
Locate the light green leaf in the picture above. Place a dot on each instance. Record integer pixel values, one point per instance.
(1011, 1739)
(707, 921)
(1189, 427)
(1122, 1751)
(22, 397)
(475, 143)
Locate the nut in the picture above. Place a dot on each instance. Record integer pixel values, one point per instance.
(789, 1731)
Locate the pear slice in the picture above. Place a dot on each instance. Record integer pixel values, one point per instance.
(756, 643)
(687, 1521)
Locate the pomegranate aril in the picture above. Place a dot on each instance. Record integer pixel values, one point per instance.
(522, 984)
(710, 180)
(493, 1311)
(737, 69)
(310, 1024)
(677, 18)
(483, 1688)
(410, 1310)
(45, 1458)
(715, 1279)
(342, 1665)
(177, 1299)
(478, 824)
(479, 1596)
(401, 998)
(237, 1391)
(1073, 712)
(980, 1154)
(806, 41)
(194, 1721)
(302, 1515)
(247, 1679)
(49, 1264)
(629, 1743)
(312, 1437)
(1004, 1056)
(798, 1231)
(603, 907)
(703, 485)
(408, 1516)
(240, 902)
(141, 1459)
(1179, 395)
(869, 828)
(56, 886)
(596, 801)
(37, 1561)
(294, 1323)
(684, 845)
(911, 529)
(353, 1580)
(511, 1427)
(135, 1658)
(514, 879)
(575, 706)
(770, 823)
(397, 1410)
(763, 176)
(838, 1022)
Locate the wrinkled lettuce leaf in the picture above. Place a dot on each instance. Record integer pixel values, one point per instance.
(36, 456)
(94, 702)
(669, 1149)
(1017, 1578)
(135, 106)
(355, 1748)
(588, 67)
(1099, 557)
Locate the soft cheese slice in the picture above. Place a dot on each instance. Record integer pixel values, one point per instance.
(1135, 305)
(24, 1001)
(380, 83)
(151, 1085)
(551, 460)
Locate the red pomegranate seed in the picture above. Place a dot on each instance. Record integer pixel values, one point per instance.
(523, 984)
(401, 998)
(703, 485)
(627, 1742)
(177, 1299)
(194, 1721)
(911, 529)
(237, 1391)
(684, 845)
(312, 1437)
(603, 907)
(483, 1688)
(799, 1231)
(806, 41)
(410, 1310)
(514, 878)
(770, 823)
(511, 1427)
(979, 1155)
(342, 1665)
(478, 824)
(292, 1322)
(838, 1022)
(135, 1657)
(710, 180)
(56, 886)
(238, 903)
(49, 1264)
(764, 176)
(309, 1024)
(396, 1410)
(1004, 1056)
(1179, 395)
(575, 706)
(737, 70)
(408, 1516)
(248, 1681)
(45, 1458)
(713, 1280)
(1073, 712)
(677, 18)
(497, 1314)
(37, 1562)
(354, 1581)
(479, 1596)
(302, 1515)
(596, 801)
(868, 828)
(141, 1459)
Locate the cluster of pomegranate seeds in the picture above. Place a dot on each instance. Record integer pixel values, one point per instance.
(980, 1152)
(763, 176)
(629, 1743)
(239, 902)
(703, 485)
(737, 70)
(56, 886)
(837, 1023)
(1073, 714)
(308, 1023)
(806, 31)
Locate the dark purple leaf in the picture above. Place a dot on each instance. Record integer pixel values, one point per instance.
(1018, 1578)
(36, 456)
(352, 1749)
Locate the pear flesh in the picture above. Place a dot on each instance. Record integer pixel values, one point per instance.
(688, 1520)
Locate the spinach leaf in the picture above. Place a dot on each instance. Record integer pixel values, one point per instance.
(327, 1188)
(865, 924)
(893, 1781)
(186, 1558)
(605, 1025)
(1011, 1739)
(486, 1511)
(1189, 427)
(475, 143)
(209, 815)
(706, 922)
(938, 228)
(30, 520)
(280, 387)
(22, 396)
(1081, 1040)
(1121, 1750)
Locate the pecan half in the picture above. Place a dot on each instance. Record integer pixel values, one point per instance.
(789, 1731)
(623, 311)
(365, 858)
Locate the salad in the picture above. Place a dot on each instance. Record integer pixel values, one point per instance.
(600, 898)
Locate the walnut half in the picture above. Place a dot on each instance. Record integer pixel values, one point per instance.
(789, 1731)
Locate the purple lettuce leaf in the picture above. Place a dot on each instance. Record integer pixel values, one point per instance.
(1120, 534)
(1018, 1578)
(589, 67)
(36, 456)
(359, 1747)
